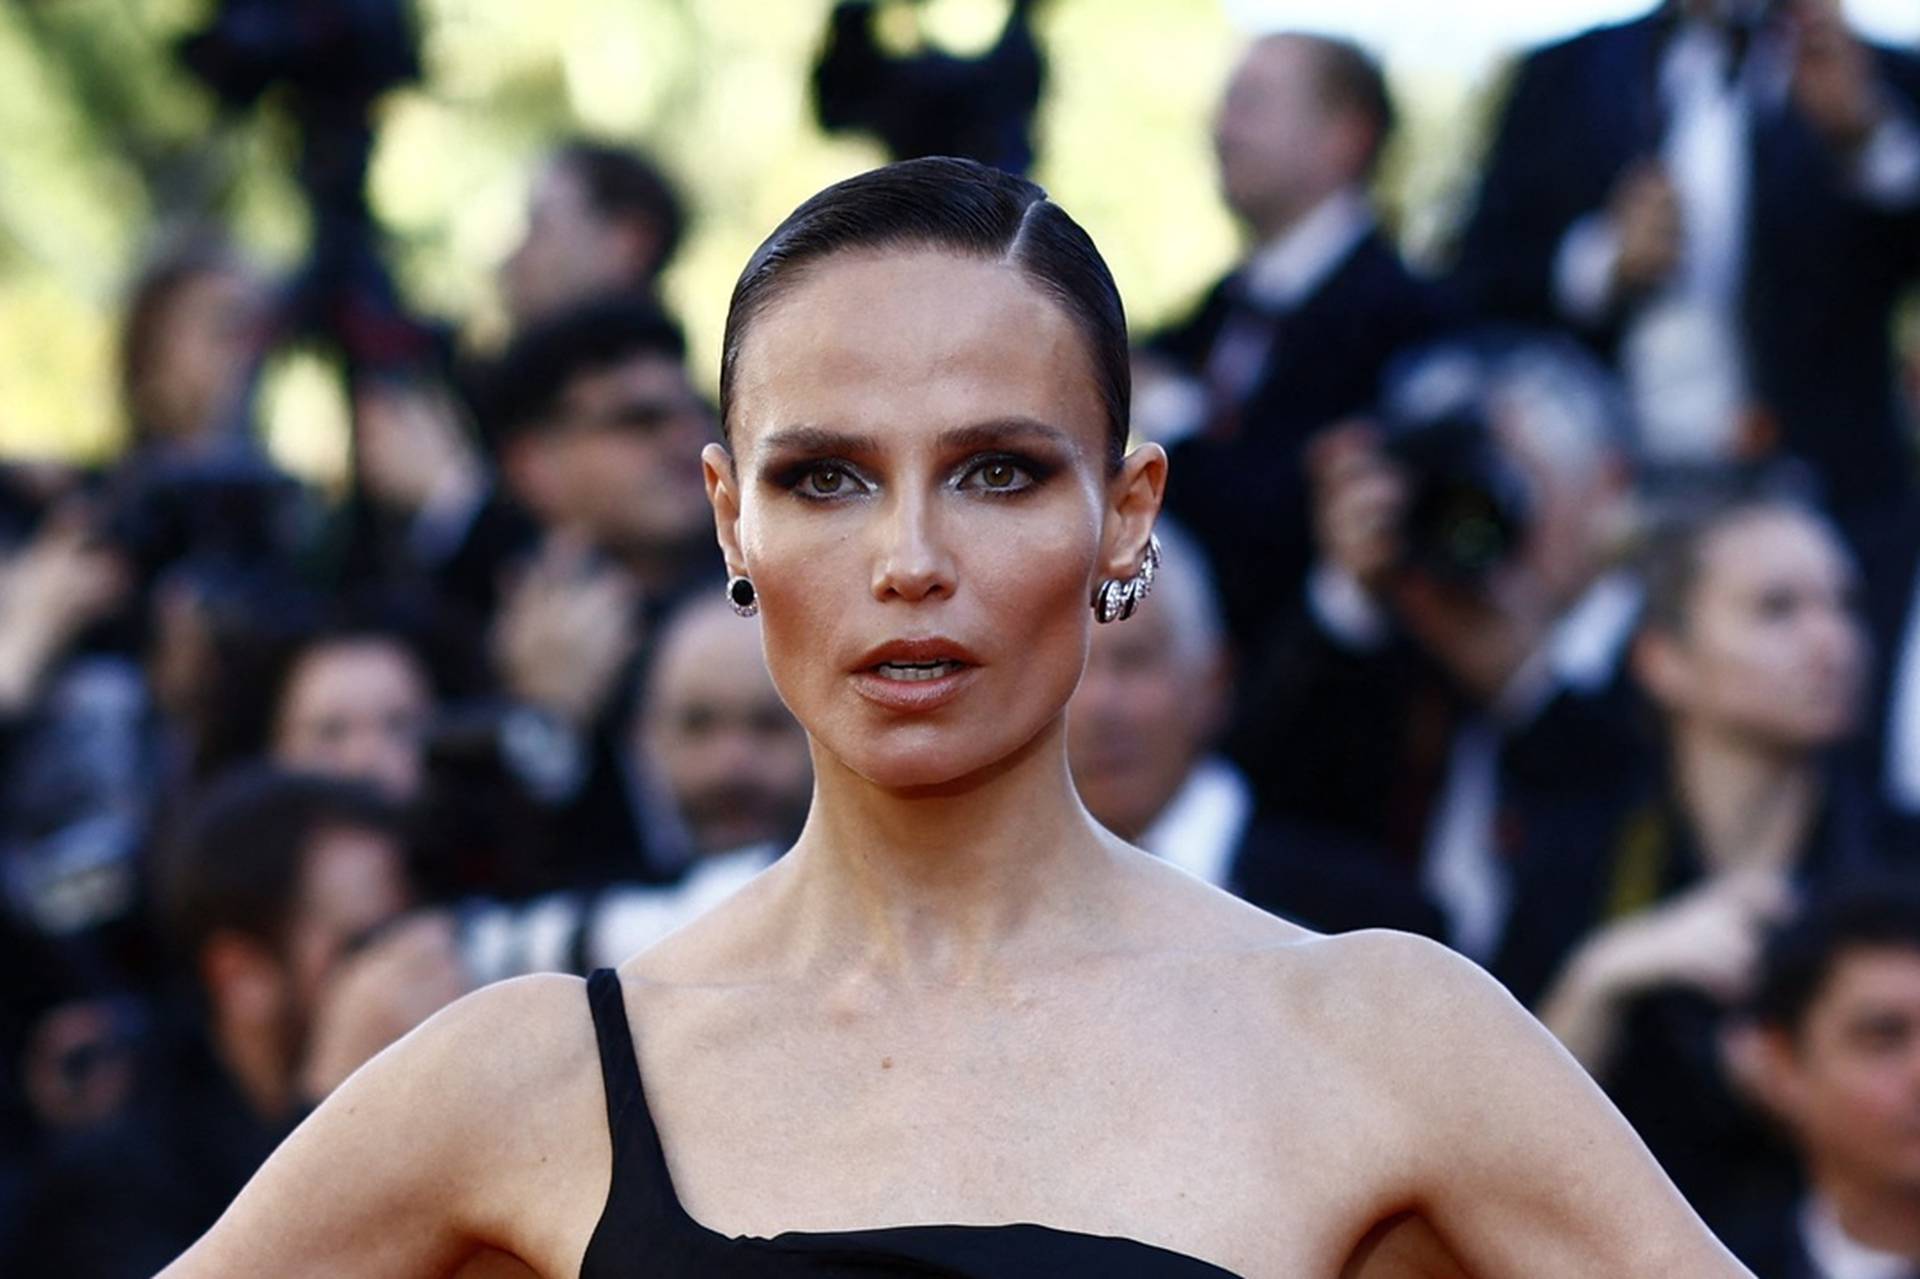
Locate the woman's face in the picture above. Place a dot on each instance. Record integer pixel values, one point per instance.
(1773, 649)
(356, 708)
(918, 489)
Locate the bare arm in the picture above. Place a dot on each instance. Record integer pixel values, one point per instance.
(1519, 1161)
(479, 1134)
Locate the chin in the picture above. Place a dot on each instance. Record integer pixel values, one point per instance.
(929, 756)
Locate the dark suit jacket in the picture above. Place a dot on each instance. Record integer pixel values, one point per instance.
(1890, 569)
(1245, 498)
(1824, 267)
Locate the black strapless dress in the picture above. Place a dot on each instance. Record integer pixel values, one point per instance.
(644, 1231)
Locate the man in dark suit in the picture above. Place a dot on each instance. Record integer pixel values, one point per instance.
(1293, 339)
(1724, 196)
(1456, 713)
(1834, 1052)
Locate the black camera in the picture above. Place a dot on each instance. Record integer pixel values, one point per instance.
(933, 102)
(1468, 505)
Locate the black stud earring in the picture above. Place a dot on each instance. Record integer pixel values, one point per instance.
(741, 596)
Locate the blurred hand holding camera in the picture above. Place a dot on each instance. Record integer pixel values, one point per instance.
(1834, 81)
(50, 591)
(1644, 213)
(567, 631)
(1707, 940)
(1481, 631)
(412, 451)
(378, 994)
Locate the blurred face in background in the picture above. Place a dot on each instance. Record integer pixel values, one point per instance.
(1849, 1083)
(1145, 712)
(199, 344)
(1772, 652)
(356, 708)
(714, 732)
(570, 251)
(352, 881)
(1280, 148)
(621, 458)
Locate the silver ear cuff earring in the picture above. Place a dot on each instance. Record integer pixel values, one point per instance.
(741, 597)
(1114, 599)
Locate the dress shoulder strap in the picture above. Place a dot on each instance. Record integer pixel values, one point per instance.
(641, 1195)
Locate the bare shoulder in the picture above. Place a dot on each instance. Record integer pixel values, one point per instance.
(1501, 1140)
(479, 1130)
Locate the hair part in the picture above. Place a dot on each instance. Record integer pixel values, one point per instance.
(956, 206)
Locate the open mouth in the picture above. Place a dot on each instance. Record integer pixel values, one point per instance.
(914, 672)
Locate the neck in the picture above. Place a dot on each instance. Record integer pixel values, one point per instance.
(255, 1061)
(1874, 1214)
(1752, 806)
(1270, 225)
(944, 885)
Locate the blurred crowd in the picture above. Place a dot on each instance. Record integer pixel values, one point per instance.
(1562, 605)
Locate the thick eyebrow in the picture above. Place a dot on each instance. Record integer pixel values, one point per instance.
(1007, 430)
(814, 439)
(991, 433)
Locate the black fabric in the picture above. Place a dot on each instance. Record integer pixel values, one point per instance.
(122, 1200)
(644, 1230)
(1666, 1073)
(1824, 267)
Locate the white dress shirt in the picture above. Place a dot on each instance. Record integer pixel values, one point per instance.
(1835, 1256)
(1279, 276)
(1903, 715)
(1681, 355)
(1201, 827)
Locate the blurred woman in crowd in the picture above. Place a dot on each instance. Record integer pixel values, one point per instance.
(1752, 652)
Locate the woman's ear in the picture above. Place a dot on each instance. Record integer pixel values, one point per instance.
(723, 491)
(1133, 503)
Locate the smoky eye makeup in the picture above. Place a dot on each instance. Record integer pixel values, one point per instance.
(1004, 473)
(817, 479)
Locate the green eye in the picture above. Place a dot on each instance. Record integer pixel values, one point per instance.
(827, 479)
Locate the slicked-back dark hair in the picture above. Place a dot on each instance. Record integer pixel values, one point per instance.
(960, 207)
(1882, 913)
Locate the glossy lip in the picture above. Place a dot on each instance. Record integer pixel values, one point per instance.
(917, 695)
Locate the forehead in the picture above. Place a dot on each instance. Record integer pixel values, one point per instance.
(1275, 66)
(1769, 547)
(709, 655)
(1873, 975)
(910, 343)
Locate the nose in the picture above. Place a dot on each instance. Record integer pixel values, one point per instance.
(912, 561)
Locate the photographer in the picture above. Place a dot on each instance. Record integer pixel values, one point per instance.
(1297, 336)
(1724, 197)
(284, 902)
(1449, 686)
